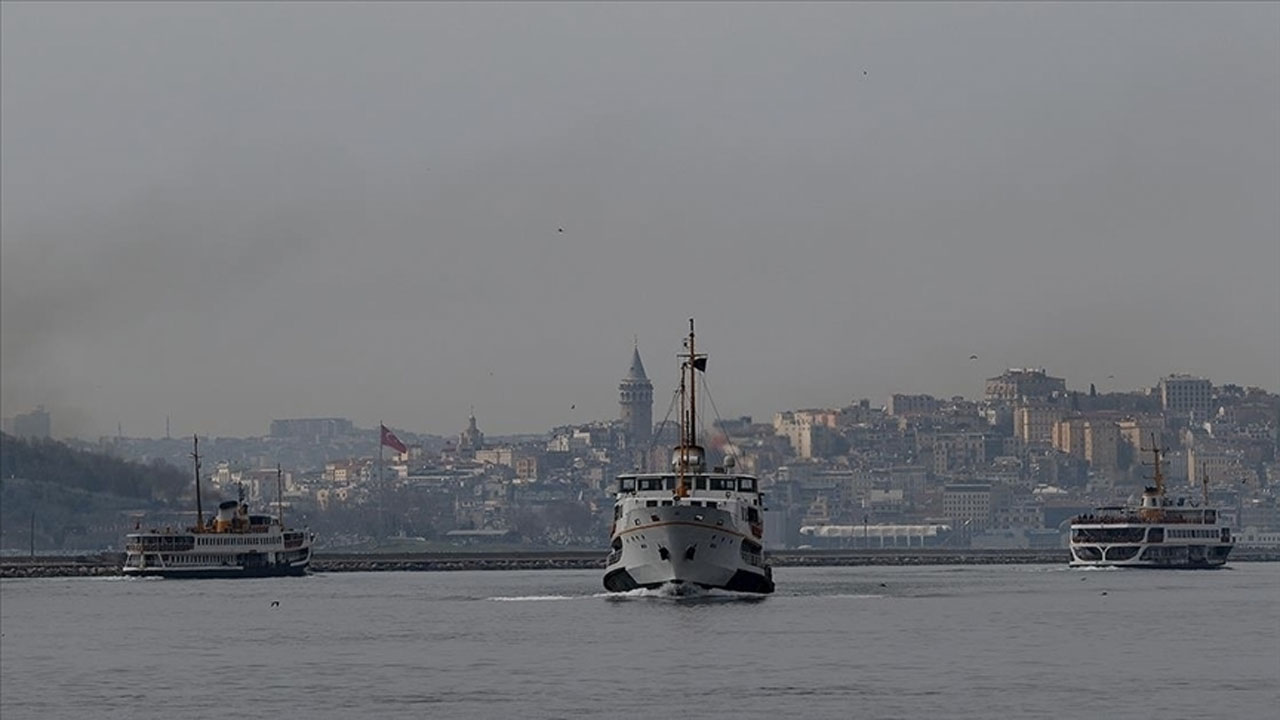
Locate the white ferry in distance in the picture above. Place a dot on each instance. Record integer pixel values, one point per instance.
(1160, 533)
(688, 527)
(232, 544)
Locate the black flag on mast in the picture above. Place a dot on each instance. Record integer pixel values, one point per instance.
(700, 363)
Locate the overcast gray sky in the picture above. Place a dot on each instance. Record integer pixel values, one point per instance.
(233, 212)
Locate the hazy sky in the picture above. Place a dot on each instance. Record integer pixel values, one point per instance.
(233, 212)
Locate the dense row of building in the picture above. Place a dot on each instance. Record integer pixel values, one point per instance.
(1007, 470)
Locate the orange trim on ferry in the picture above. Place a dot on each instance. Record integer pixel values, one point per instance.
(681, 522)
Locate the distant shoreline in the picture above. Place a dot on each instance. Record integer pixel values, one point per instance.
(109, 564)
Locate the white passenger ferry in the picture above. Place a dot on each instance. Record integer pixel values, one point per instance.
(688, 527)
(1159, 533)
(232, 544)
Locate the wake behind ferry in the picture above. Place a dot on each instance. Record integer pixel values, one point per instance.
(232, 544)
(1159, 533)
(688, 527)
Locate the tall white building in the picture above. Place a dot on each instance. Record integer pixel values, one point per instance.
(1185, 394)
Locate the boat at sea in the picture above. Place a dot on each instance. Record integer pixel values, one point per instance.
(234, 543)
(690, 527)
(1160, 532)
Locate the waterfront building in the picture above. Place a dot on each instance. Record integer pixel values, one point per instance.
(968, 504)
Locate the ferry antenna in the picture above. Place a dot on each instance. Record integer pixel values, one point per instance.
(195, 455)
(279, 496)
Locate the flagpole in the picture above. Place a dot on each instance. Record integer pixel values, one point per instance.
(382, 491)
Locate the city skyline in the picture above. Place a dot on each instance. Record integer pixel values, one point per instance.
(616, 414)
(397, 212)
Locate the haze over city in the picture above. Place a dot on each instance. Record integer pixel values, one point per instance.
(229, 213)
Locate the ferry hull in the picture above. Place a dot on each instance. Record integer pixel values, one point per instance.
(291, 570)
(683, 550)
(1184, 557)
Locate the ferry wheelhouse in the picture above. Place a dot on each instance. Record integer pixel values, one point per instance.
(689, 526)
(1159, 533)
(234, 543)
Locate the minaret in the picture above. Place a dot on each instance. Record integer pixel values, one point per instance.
(635, 403)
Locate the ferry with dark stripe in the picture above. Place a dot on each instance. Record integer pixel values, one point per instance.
(688, 527)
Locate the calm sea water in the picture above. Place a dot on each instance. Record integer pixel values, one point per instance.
(947, 642)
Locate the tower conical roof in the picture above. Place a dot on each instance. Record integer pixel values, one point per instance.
(637, 367)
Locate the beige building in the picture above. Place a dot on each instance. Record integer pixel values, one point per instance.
(1141, 431)
(808, 431)
(1068, 435)
(1102, 445)
(1033, 422)
(1222, 468)
(343, 472)
(1093, 439)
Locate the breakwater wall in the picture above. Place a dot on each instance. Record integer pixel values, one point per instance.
(108, 564)
(587, 560)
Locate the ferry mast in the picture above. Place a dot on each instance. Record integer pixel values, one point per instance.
(1158, 474)
(689, 453)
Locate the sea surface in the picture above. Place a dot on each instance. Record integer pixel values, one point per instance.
(1013, 641)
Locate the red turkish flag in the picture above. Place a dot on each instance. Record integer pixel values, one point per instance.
(390, 440)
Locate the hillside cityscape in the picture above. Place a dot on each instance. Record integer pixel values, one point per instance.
(1006, 470)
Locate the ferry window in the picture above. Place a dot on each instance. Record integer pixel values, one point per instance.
(651, 503)
(671, 482)
(746, 484)
(712, 504)
(700, 483)
(627, 484)
(666, 503)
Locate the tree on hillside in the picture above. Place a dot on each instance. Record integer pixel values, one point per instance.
(54, 462)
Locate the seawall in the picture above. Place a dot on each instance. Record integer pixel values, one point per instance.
(108, 564)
